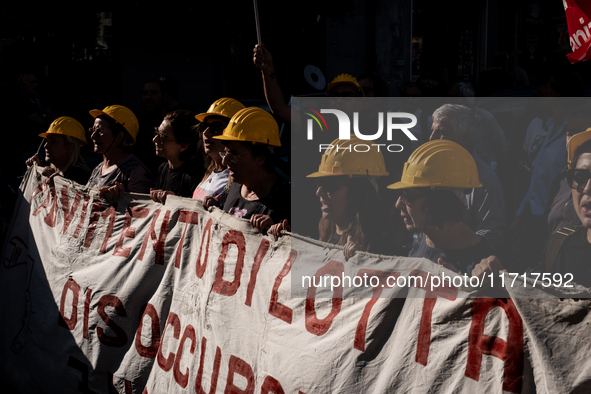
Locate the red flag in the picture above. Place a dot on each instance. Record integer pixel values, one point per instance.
(578, 17)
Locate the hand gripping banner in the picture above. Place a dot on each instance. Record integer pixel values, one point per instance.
(138, 297)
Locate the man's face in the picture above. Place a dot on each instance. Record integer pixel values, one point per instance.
(152, 96)
(582, 194)
(413, 209)
(441, 130)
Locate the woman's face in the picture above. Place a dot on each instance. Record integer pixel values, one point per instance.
(242, 164)
(212, 146)
(334, 197)
(57, 150)
(166, 145)
(102, 136)
(413, 209)
(581, 191)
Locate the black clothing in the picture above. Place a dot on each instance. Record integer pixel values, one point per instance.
(335, 239)
(574, 257)
(560, 211)
(132, 173)
(463, 260)
(181, 181)
(277, 204)
(78, 172)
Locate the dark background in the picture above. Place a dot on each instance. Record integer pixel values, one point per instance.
(91, 56)
(207, 46)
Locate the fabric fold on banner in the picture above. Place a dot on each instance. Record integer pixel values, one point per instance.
(133, 296)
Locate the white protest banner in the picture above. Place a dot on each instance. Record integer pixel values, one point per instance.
(558, 331)
(142, 297)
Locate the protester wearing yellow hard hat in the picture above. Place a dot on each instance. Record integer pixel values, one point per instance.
(213, 123)
(116, 127)
(432, 203)
(257, 193)
(64, 137)
(346, 187)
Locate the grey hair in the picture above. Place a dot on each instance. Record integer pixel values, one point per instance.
(461, 119)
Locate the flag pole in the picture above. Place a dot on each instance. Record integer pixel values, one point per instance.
(256, 17)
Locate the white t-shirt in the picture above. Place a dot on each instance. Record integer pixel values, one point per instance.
(213, 186)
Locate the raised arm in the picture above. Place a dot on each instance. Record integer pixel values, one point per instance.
(264, 62)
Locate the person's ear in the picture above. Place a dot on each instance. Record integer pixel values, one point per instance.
(425, 207)
(184, 146)
(260, 160)
(120, 137)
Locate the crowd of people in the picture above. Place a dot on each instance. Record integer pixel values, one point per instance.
(449, 204)
(476, 198)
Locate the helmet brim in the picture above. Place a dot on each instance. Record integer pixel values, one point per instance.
(230, 138)
(404, 185)
(97, 112)
(319, 174)
(44, 135)
(574, 143)
(201, 117)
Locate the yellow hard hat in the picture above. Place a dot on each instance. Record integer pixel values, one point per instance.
(342, 159)
(252, 124)
(347, 79)
(225, 107)
(439, 163)
(574, 143)
(65, 125)
(121, 115)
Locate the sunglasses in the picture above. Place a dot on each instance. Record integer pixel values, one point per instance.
(330, 185)
(215, 128)
(231, 157)
(342, 94)
(163, 138)
(406, 199)
(578, 179)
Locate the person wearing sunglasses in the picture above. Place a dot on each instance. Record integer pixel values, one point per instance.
(257, 193)
(352, 213)
(567, 252)
(176, 141)
(432, 204)
(116, 128)
(560, 211)
(213, 123)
